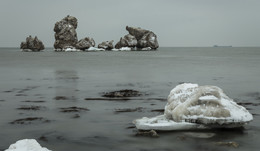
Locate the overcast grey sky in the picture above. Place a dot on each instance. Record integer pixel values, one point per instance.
(176, 22)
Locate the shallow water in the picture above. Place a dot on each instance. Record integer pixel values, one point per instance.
(40, 78)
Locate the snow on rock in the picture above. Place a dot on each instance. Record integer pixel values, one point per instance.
(26, 145)
(191, 106)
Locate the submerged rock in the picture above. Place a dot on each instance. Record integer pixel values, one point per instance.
(151, 133)
(65, 32)
(26, 145)
(107, 45)
(122, 93)
(33, 44)
(85, 43)
(191, 106)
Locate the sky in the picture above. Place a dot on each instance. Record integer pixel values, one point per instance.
(177, 23)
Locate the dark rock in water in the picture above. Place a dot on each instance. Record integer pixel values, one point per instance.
(107, 45)
(138, 109)
(151, 133)
(148, 40)
(73, 109)
(137, 32)
(140, 38)
(85, 43)
(126, 41)
(65, 32)
(33, 44)
(122, 93)
(60, 98)
(29, 120)
(228, 144)
(33, 108)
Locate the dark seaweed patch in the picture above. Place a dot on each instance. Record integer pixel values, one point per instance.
(40, 101)
(107, 99)
(60, 98)
(30, 120)
(122, 93)
(139, 109)
(33, 108)
(73, 109)
(158, 110)
(19, 94)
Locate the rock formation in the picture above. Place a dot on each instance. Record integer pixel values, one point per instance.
(85, 43)
(126, 41)
(191, 106)
(107, 45)
(65, 32)
(140, 38)
(33, 44)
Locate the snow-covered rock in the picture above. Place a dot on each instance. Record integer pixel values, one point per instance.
(26, 145)
(191, 106)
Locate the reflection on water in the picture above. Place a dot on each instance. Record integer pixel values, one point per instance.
(66, 84)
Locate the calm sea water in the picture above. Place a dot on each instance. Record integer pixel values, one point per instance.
(37, 78)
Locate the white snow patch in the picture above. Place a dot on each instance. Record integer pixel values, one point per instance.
(95, 49)
(147, 48)
(26, 145)
(125, 49)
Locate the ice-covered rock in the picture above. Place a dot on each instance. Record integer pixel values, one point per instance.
(126, 41)
(85, 43)
(32, 44)
(107, 45)
(191, 106)
(65, 32)
(26, 145)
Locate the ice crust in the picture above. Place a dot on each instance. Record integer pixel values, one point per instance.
(191, 106)
(26, 145)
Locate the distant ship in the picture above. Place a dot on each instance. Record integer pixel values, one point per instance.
(221, 46)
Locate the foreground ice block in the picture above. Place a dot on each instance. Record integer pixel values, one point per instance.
(191, 106)
(26, 145)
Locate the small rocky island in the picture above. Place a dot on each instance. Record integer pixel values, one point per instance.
(66, 36)
(32, 44)
(141, 38)
(66, 39)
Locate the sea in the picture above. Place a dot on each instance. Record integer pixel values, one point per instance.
(57, 97)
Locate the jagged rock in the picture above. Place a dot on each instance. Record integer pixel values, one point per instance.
(126, 41)
(33, 44)
(85, 43)
(138, 37)
(107, 45)
(65, 32)
(137, 32)
(148, 40)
